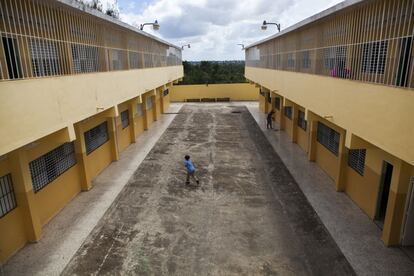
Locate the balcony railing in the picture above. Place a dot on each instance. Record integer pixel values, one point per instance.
(48, 38)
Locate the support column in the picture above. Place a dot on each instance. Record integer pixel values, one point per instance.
(80, 150)
(24, 193)
(340, 181)
(132, 105)
(294, 123)
(313, 125)
(282, 114)
(113, 138)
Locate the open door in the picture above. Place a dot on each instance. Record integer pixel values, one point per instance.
(384, 192)
(408, 226)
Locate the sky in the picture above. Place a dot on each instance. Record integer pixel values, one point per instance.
(213, 28)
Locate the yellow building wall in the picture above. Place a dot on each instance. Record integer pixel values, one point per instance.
(56, 102)
(166, 102)
(123, 134)
(139, 125)
(327, 161)
(288, 125)
(53, 197)
(378, 112)
(158, 107)
(234, 91)
(12, 232)
(302, 138)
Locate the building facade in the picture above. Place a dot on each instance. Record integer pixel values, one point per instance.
(76, 88)
(341, 85)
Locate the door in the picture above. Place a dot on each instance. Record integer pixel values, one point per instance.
(404, 63)
(408, 227)
(11, 50)
(384, 191)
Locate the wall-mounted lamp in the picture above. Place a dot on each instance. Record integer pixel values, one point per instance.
(242, 45)
(186, 45)
(155, 25)
(264, 25)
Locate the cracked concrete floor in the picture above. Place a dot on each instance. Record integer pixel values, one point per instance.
(247, 217)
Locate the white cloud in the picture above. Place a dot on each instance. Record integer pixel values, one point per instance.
(214, 27)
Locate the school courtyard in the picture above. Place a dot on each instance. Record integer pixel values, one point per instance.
(261, 209)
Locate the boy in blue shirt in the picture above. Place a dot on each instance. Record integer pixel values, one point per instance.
(190, 170)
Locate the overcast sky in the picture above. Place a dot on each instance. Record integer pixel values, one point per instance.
(215, 27)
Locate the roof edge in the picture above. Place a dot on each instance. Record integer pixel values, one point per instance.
(79, 6)
(325, 13)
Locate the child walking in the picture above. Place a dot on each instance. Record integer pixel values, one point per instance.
(190, 170)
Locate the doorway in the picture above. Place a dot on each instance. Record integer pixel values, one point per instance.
(384, 191)
(402, 78)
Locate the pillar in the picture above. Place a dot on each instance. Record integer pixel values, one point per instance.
(132, 105)
(24, 193)
(113, 138)
(340, 181)
(80, 150)
(313, 125)
(294, 123)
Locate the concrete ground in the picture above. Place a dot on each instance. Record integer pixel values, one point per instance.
(249, 226)
(247, 217)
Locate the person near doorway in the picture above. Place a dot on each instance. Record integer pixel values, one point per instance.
(269, 120)
(190, 170)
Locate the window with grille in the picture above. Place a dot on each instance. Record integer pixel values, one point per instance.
(45, 57)
(135, 60)
(149, 102)
(356, 160)
(85, 58)
(125, 118)
(328, 138)
(277, 103)
(166, 92)
(50, 166)
(117, 60)
(7, 198)
(288, 112)
(290, 60)
(96, 137)
(306, 62)
(269, 99)
(374, 55)
(139, 110)
(335, 58)
(302, 123)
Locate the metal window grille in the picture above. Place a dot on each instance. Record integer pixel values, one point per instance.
(96, 137)
(306, 62)
(50, 166)
(7, 197)
(328, 138)
(45, 58)
(140, 111)
(356, 160)
(125, 118)
(149, 102)
(117, 60)
(302, 123)
(269, 99)
(135, 60)
(277, 103)
(290, 60)
(288, 112)
(262, 93)
(166, 92)
(85, 58)
(374, 55)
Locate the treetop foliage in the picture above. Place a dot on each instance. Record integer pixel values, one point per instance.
(213, 72)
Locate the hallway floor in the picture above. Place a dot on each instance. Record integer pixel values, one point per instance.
(247, 217)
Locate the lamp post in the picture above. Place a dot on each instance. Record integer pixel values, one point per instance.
(155, 25)
(264, 25)
(186, 45)
(242, 45)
